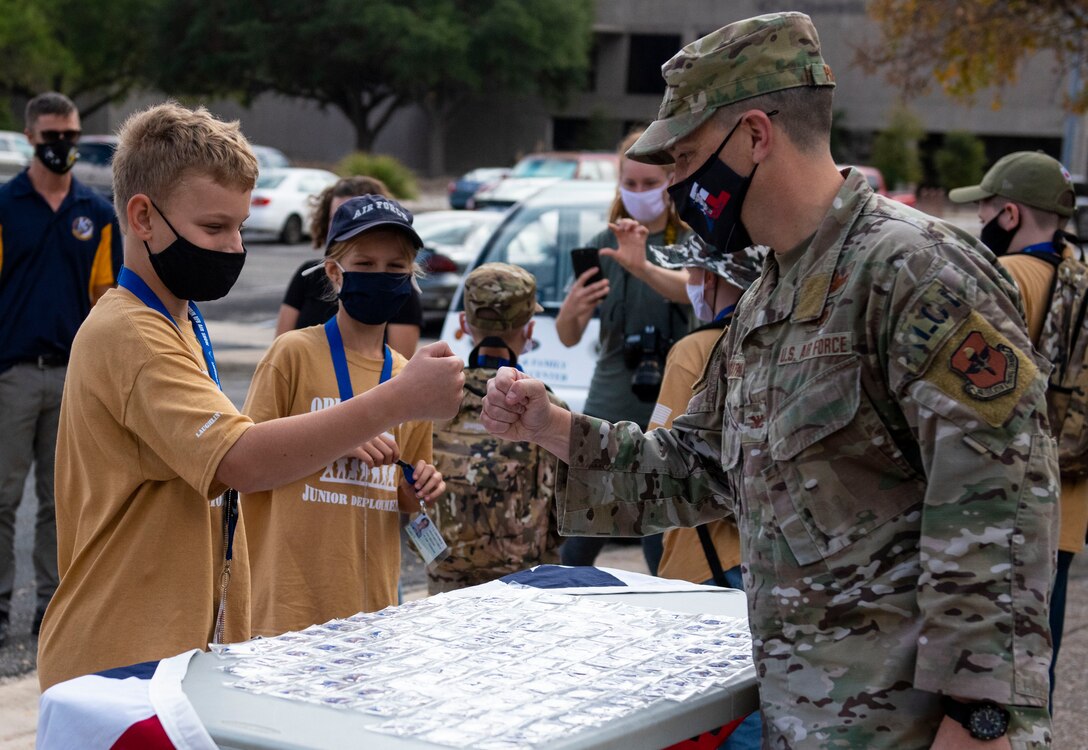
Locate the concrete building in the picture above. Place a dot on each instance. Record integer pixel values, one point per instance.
(631, 40)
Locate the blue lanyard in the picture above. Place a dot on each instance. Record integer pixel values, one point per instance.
(725, 313)
(1041, 248)
(139, 287)
(340, 360)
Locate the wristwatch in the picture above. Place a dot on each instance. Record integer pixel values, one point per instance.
(984, 720)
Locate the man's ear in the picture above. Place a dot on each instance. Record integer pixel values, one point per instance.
(464, 323)
(529, 329)
(758, 129)
(138, 216)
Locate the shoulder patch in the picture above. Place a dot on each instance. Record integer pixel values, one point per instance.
(980, 368)
(927, 325)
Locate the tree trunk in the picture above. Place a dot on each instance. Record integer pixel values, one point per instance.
(436, 141)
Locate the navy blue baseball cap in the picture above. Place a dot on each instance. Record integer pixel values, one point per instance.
(368, 212)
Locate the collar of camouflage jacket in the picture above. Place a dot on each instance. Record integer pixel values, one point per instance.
(801, 292)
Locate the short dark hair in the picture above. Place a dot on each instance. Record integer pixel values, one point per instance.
(804, 113)
(49, 103)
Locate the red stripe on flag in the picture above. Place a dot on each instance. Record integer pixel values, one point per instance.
(708, 740)
(144, 735)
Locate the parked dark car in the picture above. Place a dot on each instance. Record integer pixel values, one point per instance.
(451, 240)
(466, 185)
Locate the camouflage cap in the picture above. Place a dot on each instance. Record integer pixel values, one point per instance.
(499, 297)
(740, 269)
(1028, 177)
(744, 59)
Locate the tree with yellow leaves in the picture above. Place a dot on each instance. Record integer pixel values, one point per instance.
(965, 46)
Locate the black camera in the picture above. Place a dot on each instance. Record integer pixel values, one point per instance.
(645, 353)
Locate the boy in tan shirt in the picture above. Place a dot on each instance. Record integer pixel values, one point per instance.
(152, 553)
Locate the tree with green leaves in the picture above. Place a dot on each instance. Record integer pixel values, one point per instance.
(961, 160)
(965, 46)
(369, 59)
(895, 149)
(93, 52)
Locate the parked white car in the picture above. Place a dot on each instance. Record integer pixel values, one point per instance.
(280, 207)
(15, 153)
(538, 235)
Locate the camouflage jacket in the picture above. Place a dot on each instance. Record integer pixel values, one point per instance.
(497, 515)
(875, 421)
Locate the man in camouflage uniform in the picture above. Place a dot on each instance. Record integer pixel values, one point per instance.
(497, 515)
(874, 420)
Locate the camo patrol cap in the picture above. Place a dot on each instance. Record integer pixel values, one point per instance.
(741, 269)
(1028, 177)
(500, 297)
(744, 59)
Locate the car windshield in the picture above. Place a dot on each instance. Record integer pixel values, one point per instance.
(545, 167)
(99, 154)
(270, 181)
(540, 238)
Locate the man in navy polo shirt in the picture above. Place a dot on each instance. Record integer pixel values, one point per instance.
(60, 250)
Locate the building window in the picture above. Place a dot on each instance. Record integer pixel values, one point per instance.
(648, 53)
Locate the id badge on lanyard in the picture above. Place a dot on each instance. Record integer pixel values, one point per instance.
(421, 530)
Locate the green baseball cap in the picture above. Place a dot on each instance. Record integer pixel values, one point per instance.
(500, 297)
(744, 59)
(1028, 177)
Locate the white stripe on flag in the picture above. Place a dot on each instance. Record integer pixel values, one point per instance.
(661, 415)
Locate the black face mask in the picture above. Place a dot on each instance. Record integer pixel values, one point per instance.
(710, 199)
(374, 298)
(58, 156)
(995, 237)
(193, 273)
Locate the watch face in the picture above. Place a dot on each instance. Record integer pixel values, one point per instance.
(988, 722)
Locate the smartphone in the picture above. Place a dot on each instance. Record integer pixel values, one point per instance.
(585, 258)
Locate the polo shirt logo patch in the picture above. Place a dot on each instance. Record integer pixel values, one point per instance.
(990, 371)
(82, 228)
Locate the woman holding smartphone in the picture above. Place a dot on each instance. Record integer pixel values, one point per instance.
(633, 295)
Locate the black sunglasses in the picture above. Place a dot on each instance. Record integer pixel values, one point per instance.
(52, 136)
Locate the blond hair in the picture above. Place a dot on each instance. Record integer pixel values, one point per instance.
(162, 145)
(673, 225)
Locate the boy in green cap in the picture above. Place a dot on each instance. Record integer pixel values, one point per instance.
(497, 515)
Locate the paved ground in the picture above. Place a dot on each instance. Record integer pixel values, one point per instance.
(241, 327)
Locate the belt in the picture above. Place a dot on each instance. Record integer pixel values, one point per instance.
(43, 361)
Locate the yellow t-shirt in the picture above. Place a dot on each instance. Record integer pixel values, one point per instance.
(683, 557)
(327, 545)
(139, 519)
(1033, 276)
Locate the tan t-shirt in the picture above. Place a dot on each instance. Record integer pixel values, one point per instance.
(1033, 276)
(139, 520)
(683, 557)
(327, 545)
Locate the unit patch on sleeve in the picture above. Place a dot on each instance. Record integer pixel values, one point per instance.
(990, 371)
(980, 368)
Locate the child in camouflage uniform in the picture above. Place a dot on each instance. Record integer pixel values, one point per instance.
(498, 515)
